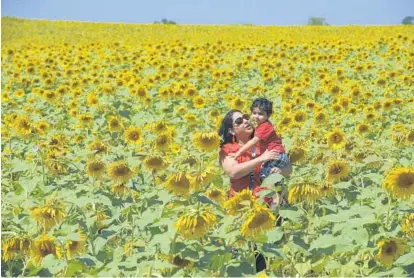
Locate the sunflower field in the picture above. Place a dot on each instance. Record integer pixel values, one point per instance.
(109, 149)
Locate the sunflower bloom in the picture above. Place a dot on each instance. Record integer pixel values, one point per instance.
(179, 183)
(50, 214)
(119, 172)
(44, 246)
(297, 154)
(155, 162)
(163, 142)
(133, 135)
(390, 250)
(195, 226)
(76, 247)
(336, 139)
(400, 183)
(95, 168)
(407, 225)
(115, 124)
(240, 202)
(15, 245)
(259, 220)
(217, 195)
(23, 126)
(209, 141)
(336, 169)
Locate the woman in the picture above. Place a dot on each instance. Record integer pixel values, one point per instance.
(235, 131)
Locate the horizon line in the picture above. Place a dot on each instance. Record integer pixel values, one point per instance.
(201, 24)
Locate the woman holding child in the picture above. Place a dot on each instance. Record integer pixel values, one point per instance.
(248, 156)
(240, 156)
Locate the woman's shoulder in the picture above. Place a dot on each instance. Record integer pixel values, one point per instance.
(229, 148)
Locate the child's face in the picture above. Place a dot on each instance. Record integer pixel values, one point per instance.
(259, 116)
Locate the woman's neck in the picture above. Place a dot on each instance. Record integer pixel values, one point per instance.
(242, 141)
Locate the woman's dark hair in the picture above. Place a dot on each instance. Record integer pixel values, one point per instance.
(226, 125)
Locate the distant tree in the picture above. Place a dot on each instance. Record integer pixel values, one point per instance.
(165, 21)
(408, 20)
(317, 21)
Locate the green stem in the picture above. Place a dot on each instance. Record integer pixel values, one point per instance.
(388, 212)
(173, 244)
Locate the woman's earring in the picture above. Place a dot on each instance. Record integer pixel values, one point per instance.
(234, 139)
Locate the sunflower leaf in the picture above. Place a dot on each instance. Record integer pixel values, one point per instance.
(406, 259)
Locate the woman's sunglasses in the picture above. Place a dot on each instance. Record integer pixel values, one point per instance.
(239, 120)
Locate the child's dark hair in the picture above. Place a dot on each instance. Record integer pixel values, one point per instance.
(264, 104)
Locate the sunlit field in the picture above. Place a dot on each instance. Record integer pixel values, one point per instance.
(109, 149)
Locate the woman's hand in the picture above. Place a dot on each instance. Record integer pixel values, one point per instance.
(269, 155)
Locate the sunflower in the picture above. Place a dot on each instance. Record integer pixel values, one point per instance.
(208, 141)
(44, 246)
(389, 250)
(53, 162)
(204, 177)
(321, 118)
(119, 172)
(217, 195)
(179, 183)
(199, 102)
(17, 244)
(297, 154)
(299, 116)
(76, 247)
(238, 104)
(193, 226)
(362, 128)
(259, 220)
(155, 162)
(92, 100)
(400, 183)
(307, 192)
(407, 225)
(42, 127)
(22, 125)
(115, 124)
(99, 147)
(95, 168)
(119, 189)
(160, 127)
(19, 93)
(336, 169)
(213, 114)
(85, 120)
(240, 202)
(336, 139)
(133, 135)
(50, 214)
(163, 141)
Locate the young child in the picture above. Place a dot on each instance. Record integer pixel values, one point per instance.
(265, 136)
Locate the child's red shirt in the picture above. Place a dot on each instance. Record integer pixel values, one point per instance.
(269, 140)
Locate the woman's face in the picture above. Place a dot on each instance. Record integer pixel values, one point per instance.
(245, 128)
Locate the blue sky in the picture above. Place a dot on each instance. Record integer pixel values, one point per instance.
(258, 12)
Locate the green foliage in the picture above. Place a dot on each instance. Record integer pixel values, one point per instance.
(317, 21)
(408, 20)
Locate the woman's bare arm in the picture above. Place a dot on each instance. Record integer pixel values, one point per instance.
(238, 170)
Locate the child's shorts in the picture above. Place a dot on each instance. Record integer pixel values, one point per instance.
(269, 165)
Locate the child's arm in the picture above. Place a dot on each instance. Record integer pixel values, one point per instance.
(248, 146)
